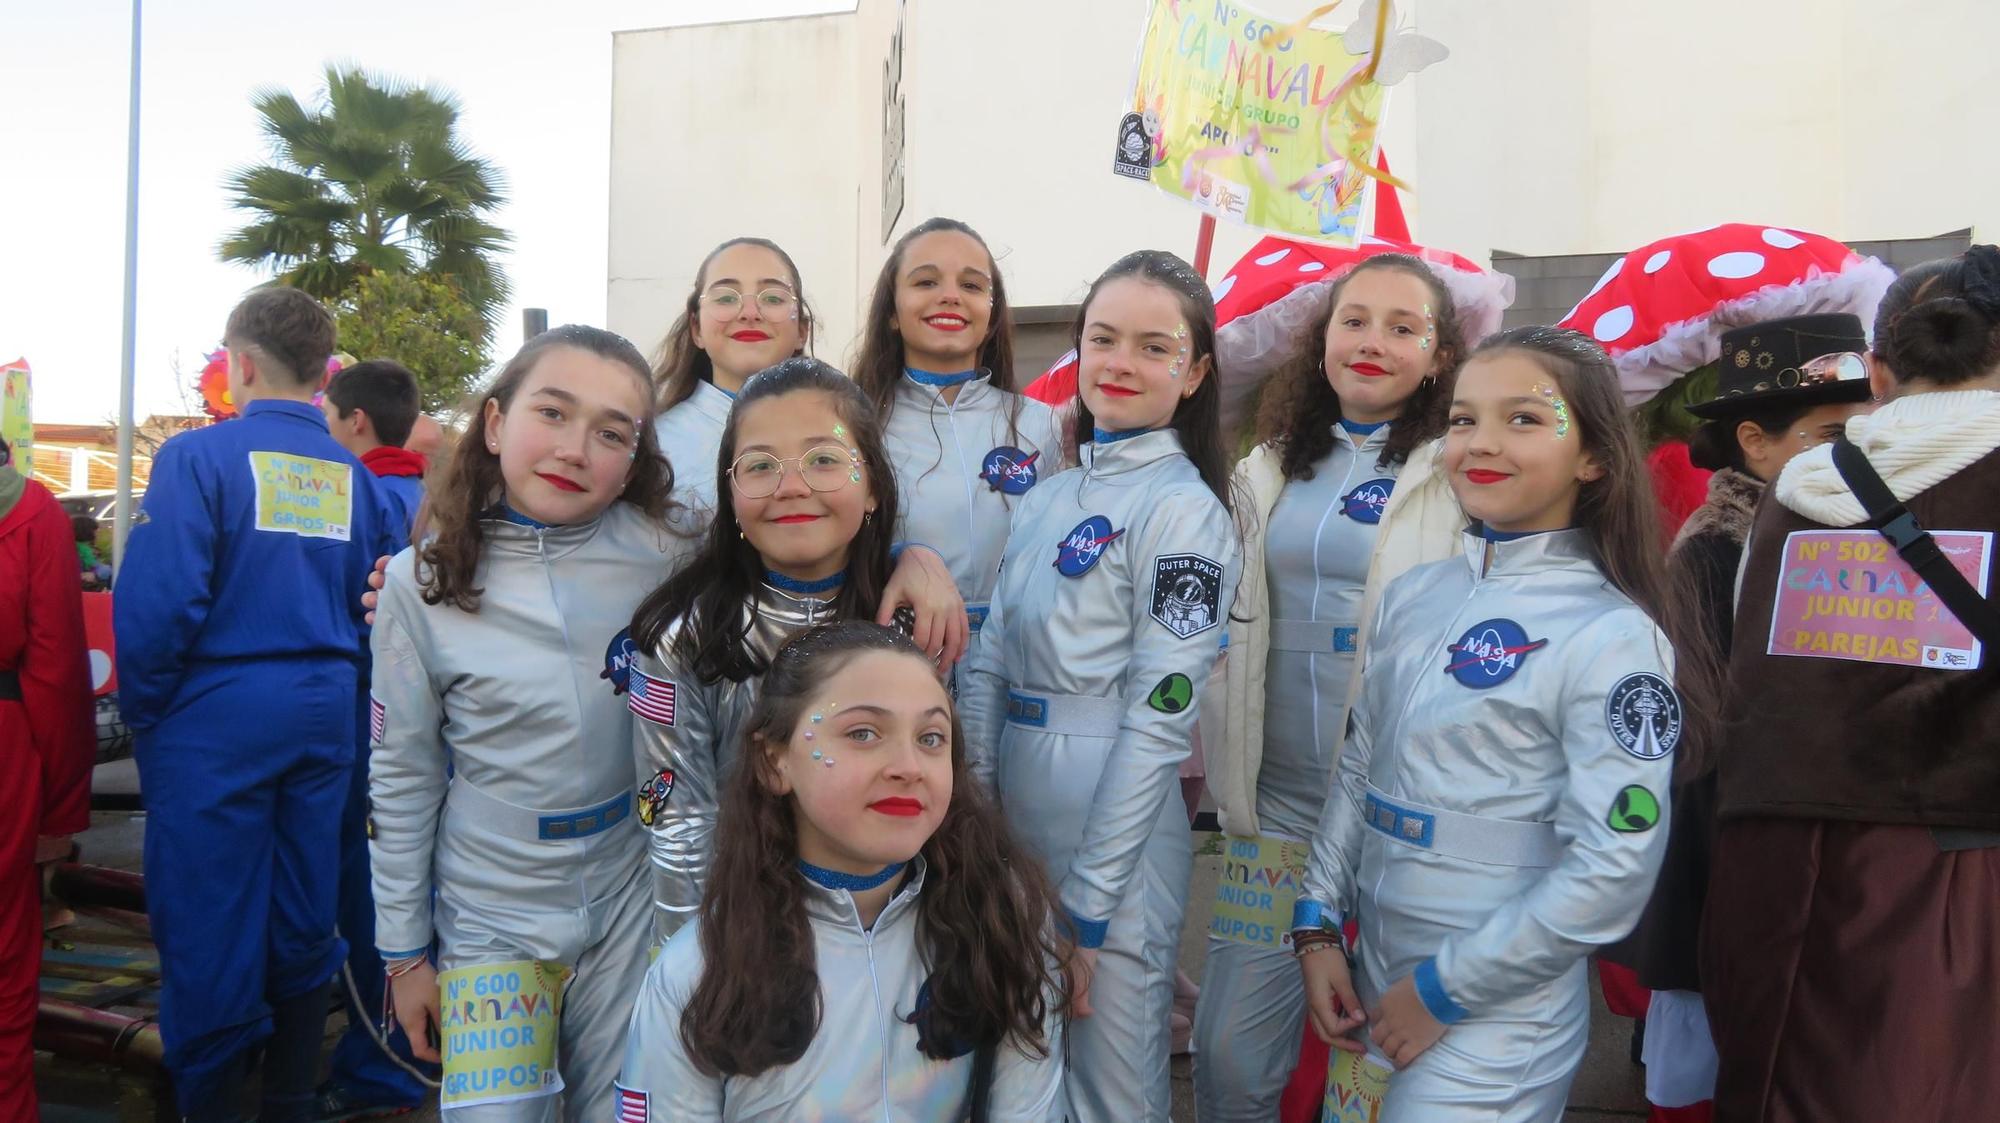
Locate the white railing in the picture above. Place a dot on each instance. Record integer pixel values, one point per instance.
(64, 470)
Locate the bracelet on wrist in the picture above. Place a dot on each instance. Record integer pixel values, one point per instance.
(1300, 951)
(404, 966)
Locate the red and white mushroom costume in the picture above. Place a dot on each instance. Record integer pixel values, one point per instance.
(1661, 309)
(1264, 301)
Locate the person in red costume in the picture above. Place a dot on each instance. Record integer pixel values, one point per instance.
(48, 743)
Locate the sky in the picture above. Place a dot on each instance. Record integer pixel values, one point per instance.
(534, 80)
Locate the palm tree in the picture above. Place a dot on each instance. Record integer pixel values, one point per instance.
(373, 178)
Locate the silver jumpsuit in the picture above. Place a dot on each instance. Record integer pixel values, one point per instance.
(501, 780)
(961, 474)
(1080, 701)
(1499, 813)
(862, 1065)
(691, 435)
(686, 738)
(1318, 543)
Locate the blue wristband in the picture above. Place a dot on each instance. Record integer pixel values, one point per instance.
(1089, 933)
(1430, 989)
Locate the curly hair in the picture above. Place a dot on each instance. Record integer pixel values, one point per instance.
(1300, 409)
(448, 561)
(986, 920)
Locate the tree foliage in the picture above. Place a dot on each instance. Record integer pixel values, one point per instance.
(371, 179)
(422, 322)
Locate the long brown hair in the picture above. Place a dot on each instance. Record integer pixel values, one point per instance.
(1300, 408)
(448, 561)
(679, 365)
(1198, 417)
(878, 364)
(1620, 515)
(985, 919)
(712, 588)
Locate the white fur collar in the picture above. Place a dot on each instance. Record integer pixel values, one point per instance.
(1914, 442)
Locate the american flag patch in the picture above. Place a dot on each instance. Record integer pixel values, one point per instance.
(651, 698)
(378, 719)
(631, 1103)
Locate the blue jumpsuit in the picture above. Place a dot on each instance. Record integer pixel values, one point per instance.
(240, 641)
(363, 1071)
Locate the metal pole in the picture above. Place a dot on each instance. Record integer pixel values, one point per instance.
(1204, 241)
(122, 513)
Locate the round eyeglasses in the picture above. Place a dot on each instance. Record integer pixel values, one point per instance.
(725, 303)
(824, 468)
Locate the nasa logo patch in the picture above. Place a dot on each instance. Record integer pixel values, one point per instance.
(1489, 653)
(653, 795)
(1187, 593)
(1366, 503)
(1080, 549)
(1009, 470)
(618, 660)
(1644, 714)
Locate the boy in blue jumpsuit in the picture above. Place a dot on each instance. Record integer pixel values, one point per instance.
(371, 408)
(240, 640)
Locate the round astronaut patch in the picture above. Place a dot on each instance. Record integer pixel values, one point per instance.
(1644, 714)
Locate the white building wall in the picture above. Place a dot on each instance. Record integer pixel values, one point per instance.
(1556, 127)
(724, 130)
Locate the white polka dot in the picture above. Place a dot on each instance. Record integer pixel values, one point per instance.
(1275, 256)
(1606, 279)
(1658, 261)
(1223, 286)
(1782, 239)
(100, 669)
(1312, 267)
(1742, 263)
(1613, 324)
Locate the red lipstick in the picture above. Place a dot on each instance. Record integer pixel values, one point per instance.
(559, 483)
(1368, 370)
(1117, 391)
(947, 322)
(750, 335)
(1484, 475)
(900, 806)
(790, 519)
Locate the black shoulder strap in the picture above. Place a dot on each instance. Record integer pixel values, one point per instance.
(1916, 546)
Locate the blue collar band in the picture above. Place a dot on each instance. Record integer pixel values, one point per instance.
(932, 378)
(1492, 535)
(519, 519)
(1361, 428)
(805, 588)
(1113, 436)
(853, 883)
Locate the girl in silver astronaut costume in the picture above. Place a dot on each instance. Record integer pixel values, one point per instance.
(500, 783)
(875, 945)
(1079, 699)
(938, 361)
(1499, 807)
(800, 536)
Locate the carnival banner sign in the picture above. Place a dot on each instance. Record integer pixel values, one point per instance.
(1262, 122)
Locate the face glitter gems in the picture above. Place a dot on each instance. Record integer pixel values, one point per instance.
(1558, 403)
(1179, 366)
(1430, 330)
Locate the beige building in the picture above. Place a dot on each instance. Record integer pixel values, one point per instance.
(1556, 129)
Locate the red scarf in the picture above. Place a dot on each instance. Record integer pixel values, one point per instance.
(390, 461)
